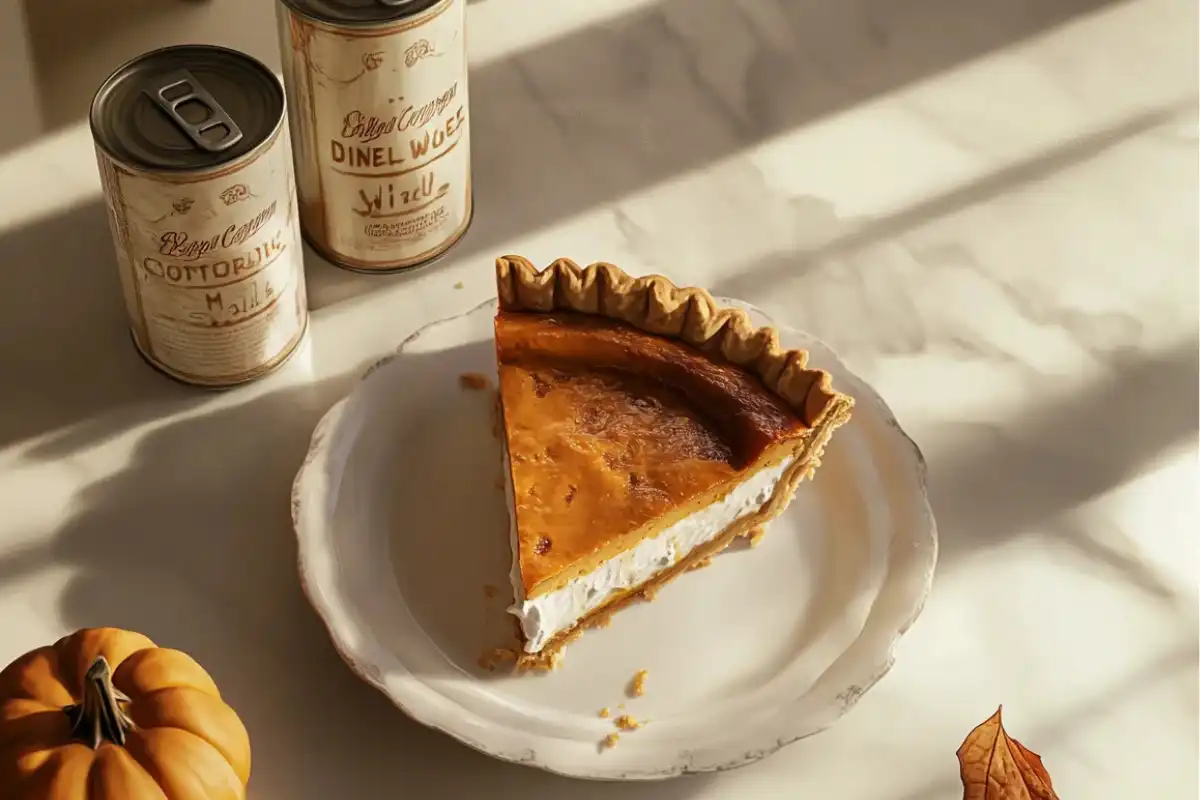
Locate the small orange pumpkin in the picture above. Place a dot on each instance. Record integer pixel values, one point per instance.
(105, 714)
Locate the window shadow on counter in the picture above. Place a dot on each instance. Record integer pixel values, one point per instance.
(993, 481)
(846, 237)
(581, 121)
(999, 481)
(76, 44)
(570, 125)
(69, 365)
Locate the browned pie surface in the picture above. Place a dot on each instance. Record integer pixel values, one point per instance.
(610, 428)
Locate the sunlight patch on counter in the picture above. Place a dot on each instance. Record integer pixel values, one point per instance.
(1034, 107)
(504, 28)
(46, 177)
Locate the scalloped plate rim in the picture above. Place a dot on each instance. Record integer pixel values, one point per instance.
(318, 448)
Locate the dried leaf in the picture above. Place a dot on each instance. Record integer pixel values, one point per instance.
(995, 766)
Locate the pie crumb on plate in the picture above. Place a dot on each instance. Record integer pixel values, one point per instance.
(637, 686)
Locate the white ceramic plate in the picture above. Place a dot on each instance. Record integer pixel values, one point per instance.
(401, 519)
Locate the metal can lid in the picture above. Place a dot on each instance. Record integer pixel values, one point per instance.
(184, 108)
(359, 12)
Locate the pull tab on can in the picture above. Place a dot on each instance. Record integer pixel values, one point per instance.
(181, 87)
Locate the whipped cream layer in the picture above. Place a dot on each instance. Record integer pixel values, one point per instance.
(547, 615)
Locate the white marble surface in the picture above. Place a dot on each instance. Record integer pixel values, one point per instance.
(988, 208)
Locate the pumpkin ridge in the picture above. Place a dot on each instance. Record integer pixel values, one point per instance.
(15, 708)
(13, 687)
(152, 749)
(215, 722)
(147, 649)
(192, 734)
(40, 778)
(117, 760)
(153, 669)
(29, 732)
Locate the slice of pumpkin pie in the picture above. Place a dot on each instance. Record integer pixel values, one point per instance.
(645, 428)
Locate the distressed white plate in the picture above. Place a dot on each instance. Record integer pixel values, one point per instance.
(402, 524)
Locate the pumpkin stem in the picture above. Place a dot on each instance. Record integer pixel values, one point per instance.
(99, 716)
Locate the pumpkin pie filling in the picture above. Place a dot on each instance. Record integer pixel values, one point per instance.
(631, 454)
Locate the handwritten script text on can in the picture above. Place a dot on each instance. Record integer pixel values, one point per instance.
(380, 125)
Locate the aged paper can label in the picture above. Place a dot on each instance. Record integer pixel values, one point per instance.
(211, 265)
(196, 166)
(380, 125)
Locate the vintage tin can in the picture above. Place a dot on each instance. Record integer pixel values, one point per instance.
(379, 116)
(196, 166)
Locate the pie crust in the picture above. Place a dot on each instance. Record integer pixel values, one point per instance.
(654, 305)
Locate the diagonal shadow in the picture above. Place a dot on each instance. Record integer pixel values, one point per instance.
(776, 269)
(75, 44)
(579, 122)
(89, 20)
(1115, 553)
(1058, 455)
(561, 129)
(64, 340)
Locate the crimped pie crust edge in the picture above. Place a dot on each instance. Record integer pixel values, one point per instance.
(656, 305)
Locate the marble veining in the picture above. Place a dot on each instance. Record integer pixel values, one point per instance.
(988, 209)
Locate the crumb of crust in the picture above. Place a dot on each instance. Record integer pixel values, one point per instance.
(755, 536)
(637, 686)
(627, 723)
(489, 591)
(649, 593)
(604, 713)
(544, 661)
(539, 662)
(458, 285)
(701, 564)
(610, 741)
(811, 469)
(473, 380)
(495, 657)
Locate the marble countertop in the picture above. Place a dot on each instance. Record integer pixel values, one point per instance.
(990, 211)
